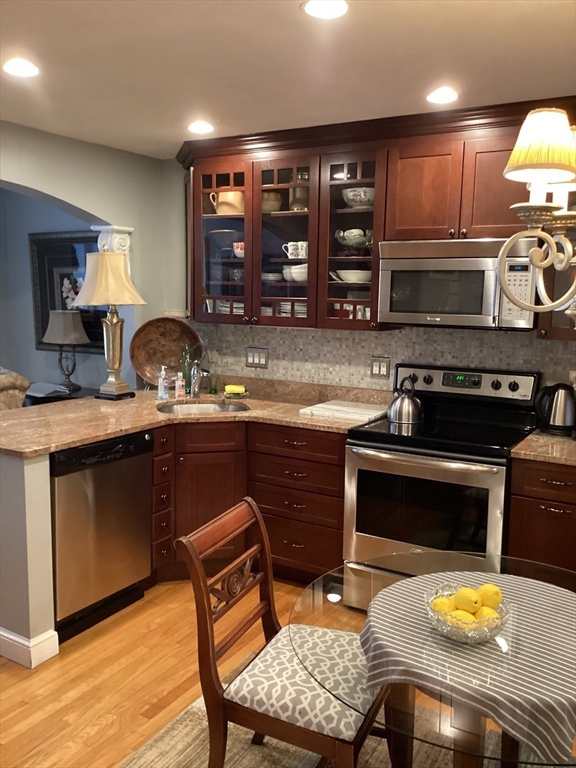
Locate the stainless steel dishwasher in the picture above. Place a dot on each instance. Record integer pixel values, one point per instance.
(102, 512)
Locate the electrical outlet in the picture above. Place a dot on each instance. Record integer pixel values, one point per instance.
(572, 378)
(379, 367)
(256, 357)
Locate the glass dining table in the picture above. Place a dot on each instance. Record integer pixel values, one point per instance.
(508, 701)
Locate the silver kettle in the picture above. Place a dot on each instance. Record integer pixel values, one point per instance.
(556, 409)
(405, 408)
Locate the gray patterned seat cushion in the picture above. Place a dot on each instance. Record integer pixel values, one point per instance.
(276, 682)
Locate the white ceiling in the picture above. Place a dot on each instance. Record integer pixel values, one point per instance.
(133, 74)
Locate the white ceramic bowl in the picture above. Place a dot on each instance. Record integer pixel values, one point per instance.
(287, 273)
(358, 197)
(299, 272)
(354, 275)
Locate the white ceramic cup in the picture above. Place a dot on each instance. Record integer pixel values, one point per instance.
(238, 249)
(292, 250)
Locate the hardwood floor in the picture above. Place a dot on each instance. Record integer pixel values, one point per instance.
(114, 686)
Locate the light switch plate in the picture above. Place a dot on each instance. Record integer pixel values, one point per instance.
(379, 367)
(256, 357)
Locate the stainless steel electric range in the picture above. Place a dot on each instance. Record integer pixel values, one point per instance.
(439, 484)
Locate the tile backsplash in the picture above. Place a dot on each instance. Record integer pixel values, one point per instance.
(343, 357)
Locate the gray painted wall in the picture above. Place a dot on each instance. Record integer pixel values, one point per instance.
(22, 215)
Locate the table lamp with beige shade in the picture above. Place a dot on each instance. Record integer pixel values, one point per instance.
(65, 329)
(108, 281)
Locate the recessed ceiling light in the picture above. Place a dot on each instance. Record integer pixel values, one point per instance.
(200, 126)
(20, 68)
(442, 95)
(325, 9)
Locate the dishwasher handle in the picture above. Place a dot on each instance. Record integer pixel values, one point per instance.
(102, 452)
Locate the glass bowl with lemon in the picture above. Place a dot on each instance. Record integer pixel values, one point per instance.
(467, 614)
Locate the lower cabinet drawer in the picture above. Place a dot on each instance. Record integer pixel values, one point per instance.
(161, 497)
(544, 480)
(163, 469)
(162, 552)
(544, 531)
(298, 505)
(301, 545)
(296, 473)
(162, 525)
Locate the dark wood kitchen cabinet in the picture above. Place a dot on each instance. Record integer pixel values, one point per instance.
(210, 474)
(543, 513)
(442, 189)
(296, 476)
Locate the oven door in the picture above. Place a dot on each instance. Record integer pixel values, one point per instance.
(456, 292)
(400, 502)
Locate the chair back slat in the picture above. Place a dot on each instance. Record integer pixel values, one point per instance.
(252, 552)
(217, 595)
(225, 599)
(227, 642)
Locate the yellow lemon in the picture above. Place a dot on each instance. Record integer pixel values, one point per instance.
(490, 595)
(460, 617)
(467, 599)
(445, 604)
(486, 613)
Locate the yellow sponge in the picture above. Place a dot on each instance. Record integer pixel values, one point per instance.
(235, 389)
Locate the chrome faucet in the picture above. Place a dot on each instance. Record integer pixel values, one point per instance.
(196, 375)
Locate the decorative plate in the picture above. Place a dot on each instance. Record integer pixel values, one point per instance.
(480, 632)
(160, 342)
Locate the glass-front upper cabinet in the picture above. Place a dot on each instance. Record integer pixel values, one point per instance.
(285, 229)
(222, 204)
(351, 225)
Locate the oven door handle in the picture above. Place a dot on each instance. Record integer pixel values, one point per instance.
(413, 460)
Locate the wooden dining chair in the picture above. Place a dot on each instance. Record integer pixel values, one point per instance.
(274, 695)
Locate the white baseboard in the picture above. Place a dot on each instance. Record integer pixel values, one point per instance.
(30, 652)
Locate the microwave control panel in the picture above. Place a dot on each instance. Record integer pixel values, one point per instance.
(520, 278)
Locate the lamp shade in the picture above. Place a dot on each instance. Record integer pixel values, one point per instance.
(107, 281)
(544, 151)
(65, 328)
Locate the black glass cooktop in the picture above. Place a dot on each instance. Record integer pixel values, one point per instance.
(470, 439)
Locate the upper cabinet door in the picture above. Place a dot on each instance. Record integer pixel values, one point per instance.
(285, 253)
(486, 194)
(352, 192)
(222, 205)
(424, 184)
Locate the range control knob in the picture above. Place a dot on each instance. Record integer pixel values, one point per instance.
(428, 379)
(496, 384)
(513, 386)
(475, 382)
(413, 378)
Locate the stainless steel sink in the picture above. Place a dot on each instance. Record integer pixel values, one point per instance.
(181, 409)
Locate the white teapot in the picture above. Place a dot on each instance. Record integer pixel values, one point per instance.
(352, 238)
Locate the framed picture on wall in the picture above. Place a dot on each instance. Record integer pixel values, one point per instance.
(58, 261)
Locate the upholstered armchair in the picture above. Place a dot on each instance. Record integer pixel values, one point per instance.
(12, 389)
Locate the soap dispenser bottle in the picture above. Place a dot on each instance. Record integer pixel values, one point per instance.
(163, 384)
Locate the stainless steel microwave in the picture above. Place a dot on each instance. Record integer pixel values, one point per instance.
(454, 283)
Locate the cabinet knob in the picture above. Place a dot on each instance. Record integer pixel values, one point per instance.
(451, 232)
(254, 319)
(164, 497)
(165, 470)
(542, 333)
(164, 552)
(163, 525)
(463, 233)
(163, 440)
(245, 319)
(372, 326)
(181, 460)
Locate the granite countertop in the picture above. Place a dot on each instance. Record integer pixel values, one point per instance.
(42, 429)
(550, 448)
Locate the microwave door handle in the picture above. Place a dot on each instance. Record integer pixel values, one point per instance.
(411, 460)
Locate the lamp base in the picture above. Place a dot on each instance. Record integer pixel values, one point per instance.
(109, 396)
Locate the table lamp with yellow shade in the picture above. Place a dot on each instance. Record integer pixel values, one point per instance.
(108, 281)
